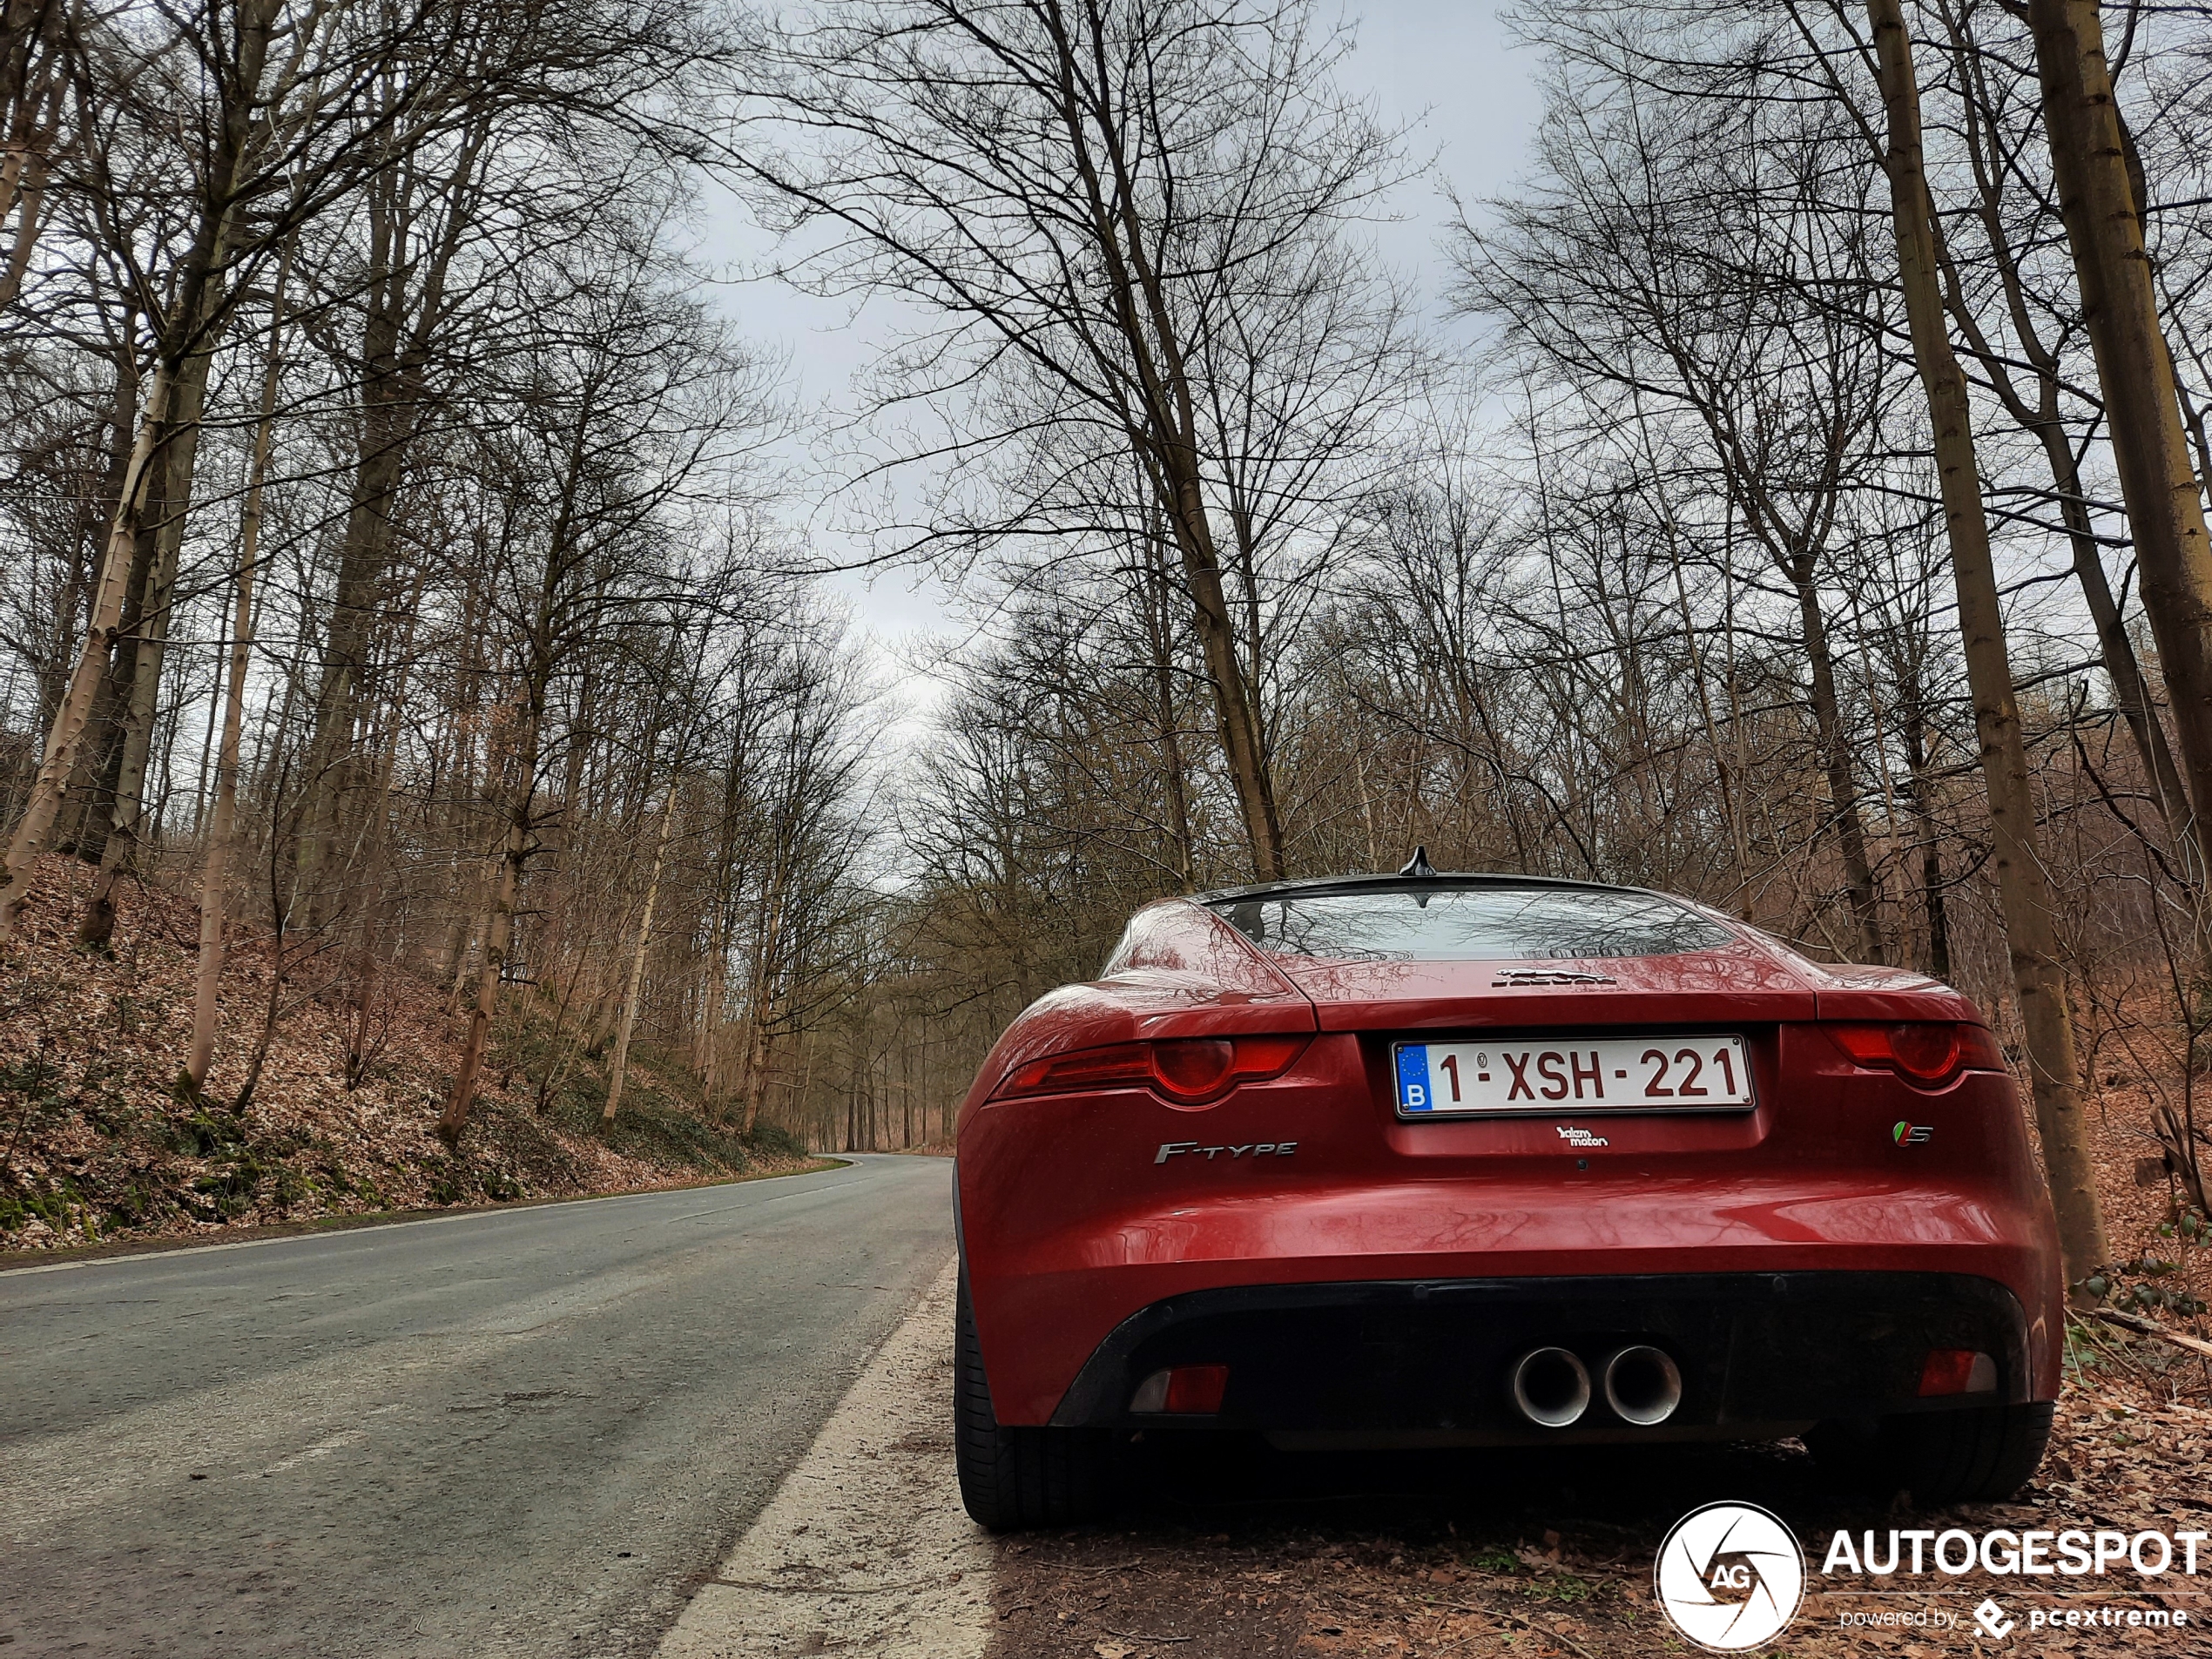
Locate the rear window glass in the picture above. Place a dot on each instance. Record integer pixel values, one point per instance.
(1472, 924)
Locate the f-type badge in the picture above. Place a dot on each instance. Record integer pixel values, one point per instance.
(1913, 1133)
(1191, 1149)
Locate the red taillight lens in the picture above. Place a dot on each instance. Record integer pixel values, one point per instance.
(1978, 1050)
(1194, 1067)
(1194, 1389)
(1957, 1370)
(1120, 1063)
(1260, 1058)
(1927, 1051)
(1182, 1069)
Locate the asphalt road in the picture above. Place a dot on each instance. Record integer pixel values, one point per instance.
(533, 1432)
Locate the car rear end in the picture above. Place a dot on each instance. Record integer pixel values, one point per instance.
(1544, 1164)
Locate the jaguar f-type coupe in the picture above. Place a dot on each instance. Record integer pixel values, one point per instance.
(1435, 1160)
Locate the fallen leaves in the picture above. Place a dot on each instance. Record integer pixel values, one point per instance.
(99, 1145)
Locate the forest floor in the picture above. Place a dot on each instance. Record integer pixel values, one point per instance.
(96, 1143)
(1482, 1557)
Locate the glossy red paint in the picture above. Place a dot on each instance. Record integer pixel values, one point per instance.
(1075, 1213)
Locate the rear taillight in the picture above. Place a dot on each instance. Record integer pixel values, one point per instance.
(1187, 1069)
(1957, 1370)
(1927, 1051)
(1186, 1391)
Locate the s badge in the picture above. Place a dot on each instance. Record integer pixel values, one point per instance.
(1913, 1133)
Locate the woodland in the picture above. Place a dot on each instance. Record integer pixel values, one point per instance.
(416, 639)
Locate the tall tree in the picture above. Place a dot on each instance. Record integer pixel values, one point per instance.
(1086, 195)
(2039, 969)
(2104, 228)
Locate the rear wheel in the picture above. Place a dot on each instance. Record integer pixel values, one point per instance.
(1012, 1478)
(1977, 1455)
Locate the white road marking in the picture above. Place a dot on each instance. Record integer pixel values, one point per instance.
(864, 1547)
(321, 1449)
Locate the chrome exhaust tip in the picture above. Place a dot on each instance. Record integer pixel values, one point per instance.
(1551, 1386)
(1642, 1386)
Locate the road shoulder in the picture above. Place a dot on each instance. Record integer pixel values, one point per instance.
(865, 1547)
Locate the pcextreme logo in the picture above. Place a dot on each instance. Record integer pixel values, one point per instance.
(1730, 1576)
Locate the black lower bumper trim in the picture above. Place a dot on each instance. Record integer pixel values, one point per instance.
(1430, 1358)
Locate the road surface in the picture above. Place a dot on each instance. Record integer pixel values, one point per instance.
(532, 1432)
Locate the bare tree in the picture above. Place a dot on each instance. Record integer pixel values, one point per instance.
(1090, 197)
(264, 91)
(2104, 227)
(1680, 263)
(2039, 971)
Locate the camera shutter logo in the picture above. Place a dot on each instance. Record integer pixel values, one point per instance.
(1730, 1576)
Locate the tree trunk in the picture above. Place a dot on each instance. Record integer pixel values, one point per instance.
(196, 283)
(498, 935)
(1835, 757)
(47, 790)
(140, 685)
(29, 201)
(214, 875)
(82, 829)
(1158, 636)
(513, 858)
(407, 309)
(1913, 732)
(2120, 311)
(759, 1045)
(638, 964)
(2039, 974)
(1234, 712)
(760, 1033)
(365, 552)
(2128, 688)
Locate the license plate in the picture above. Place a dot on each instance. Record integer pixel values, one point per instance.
(1577, 1075)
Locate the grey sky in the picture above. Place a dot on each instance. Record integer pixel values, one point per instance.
(1446, 69)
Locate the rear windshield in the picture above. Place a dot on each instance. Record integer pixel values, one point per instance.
(1472, 924)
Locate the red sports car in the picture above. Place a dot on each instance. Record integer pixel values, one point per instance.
(1433, 1160)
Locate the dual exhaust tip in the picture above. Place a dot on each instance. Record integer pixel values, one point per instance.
(1551, 1386)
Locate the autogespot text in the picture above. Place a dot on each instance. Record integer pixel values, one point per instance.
(2073, 1553)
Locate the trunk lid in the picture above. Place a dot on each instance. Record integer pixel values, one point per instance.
(1728, 987)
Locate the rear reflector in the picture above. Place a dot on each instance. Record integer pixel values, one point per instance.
(1927, 1051)
(1958, 1371)
(1187, 1069)
(1193, 1390)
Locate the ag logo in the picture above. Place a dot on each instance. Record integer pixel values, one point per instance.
(1913, 1133)
(1730, 1576)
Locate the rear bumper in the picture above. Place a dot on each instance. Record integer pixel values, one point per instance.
(1415, 1362)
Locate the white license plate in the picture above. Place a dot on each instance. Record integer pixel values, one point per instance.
(1569, 1074)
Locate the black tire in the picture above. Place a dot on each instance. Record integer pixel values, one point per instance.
(1980, 1454)
(1015, 1478)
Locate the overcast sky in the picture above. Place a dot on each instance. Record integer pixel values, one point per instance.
(1446, 69)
